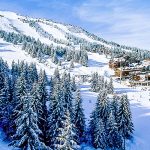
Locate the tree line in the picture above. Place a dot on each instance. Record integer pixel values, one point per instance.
(38, 50)
(40, 113)
(37, 113)
(111, 121)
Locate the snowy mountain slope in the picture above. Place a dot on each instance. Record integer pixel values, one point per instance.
(5, 24)
(8, 20)
(10, 53)
(139, 98)
(51, 32)
(12, 22)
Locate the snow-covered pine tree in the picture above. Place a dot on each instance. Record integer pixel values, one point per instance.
(100, 83)
(10, 103)
(73, 84)
(20, 90)
(42, 96)
(76, 56)
(102, 107)
(65, 138)
(39, 55)
(114, 106)
(56, 75)
(27, 131)
(20, 87)
(79, 118)
(67, 93)
(114, 139)
(32, 74)
(39, 99)
(25, 70)
(130, 123)
(110, 87)
(42, 78)
(56, 113)
(100, 135)
(71, 64)
(94, 82)
(84, 58)
(92, 126)
(101, 111)
(5, 106)
(125, 124)
(55, 59)
(14, 68)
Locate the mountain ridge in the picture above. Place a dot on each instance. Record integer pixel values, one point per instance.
(13, 22)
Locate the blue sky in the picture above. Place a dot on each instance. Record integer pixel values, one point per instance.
(123, 21)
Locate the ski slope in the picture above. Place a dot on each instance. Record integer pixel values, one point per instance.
(12, 22)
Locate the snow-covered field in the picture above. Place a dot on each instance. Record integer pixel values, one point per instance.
(139, 98)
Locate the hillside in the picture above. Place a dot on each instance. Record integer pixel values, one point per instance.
(47, 31)
(64, 38)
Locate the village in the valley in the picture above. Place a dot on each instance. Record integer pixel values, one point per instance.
(134, 74)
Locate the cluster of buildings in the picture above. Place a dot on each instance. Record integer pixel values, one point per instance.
(138, 74)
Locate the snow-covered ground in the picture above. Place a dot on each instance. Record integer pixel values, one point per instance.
(139, 98)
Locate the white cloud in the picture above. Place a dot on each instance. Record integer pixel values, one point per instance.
(124, 21)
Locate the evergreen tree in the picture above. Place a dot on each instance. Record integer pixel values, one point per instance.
(67, 93)
(79, 118)
(94, 82)
(100, 83)
(71, 64)
(27, 133)
(125, 124)
(56, 114)
(110, 87)
(39, 100)
(65, 138)
(20, 87)
(55, 59)
(99, 117)
(115, 106)
(32, 75)
(114, 138)
(20, 90)
(73, 84)
(92, 126)
(100, 135)
(102, 107)
(5, 107)
(56, 75)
